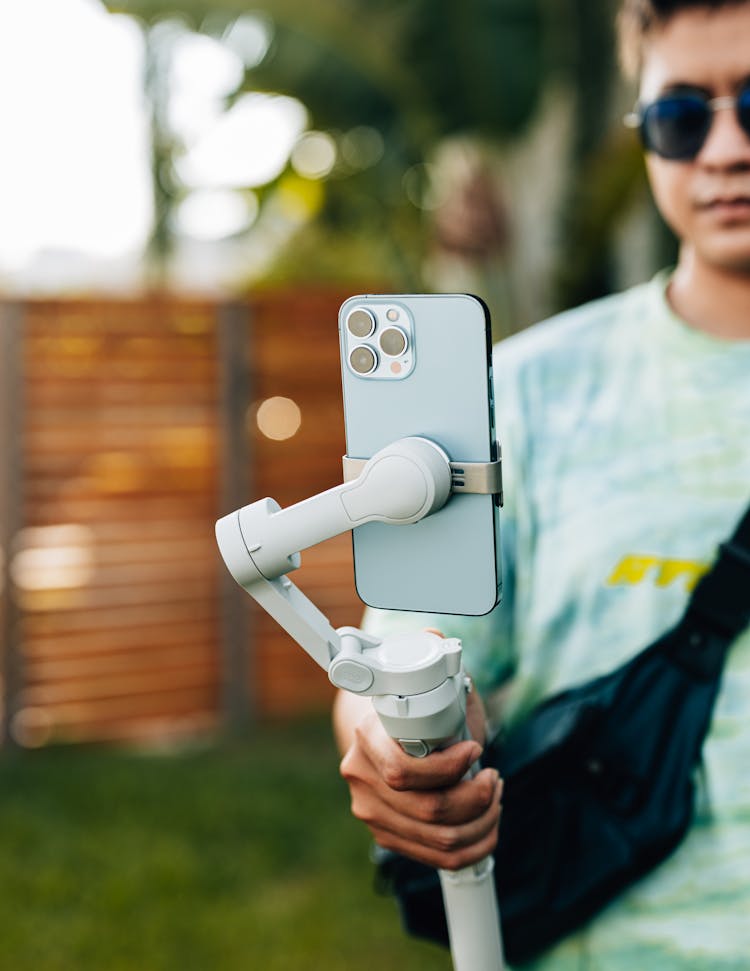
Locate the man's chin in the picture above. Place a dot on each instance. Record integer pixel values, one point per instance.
(731, 257)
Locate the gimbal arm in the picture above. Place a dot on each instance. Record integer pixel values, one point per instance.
(260, 543)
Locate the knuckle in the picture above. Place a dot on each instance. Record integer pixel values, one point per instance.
(394, 777)
(362, 811)
(459, 859)
(434, 808)
(447, 839)
(484, 786)
(363, 734)
(454, 856)
(384, 839)
(347, 767)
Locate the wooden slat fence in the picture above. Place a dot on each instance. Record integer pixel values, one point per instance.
(128, 427)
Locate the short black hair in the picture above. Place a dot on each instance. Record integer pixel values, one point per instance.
(637, 18)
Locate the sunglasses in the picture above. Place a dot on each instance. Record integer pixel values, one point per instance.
(675, 126)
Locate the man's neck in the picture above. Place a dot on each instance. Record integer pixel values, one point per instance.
(710, 298)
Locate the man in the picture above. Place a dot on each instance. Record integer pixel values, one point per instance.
(625, 428)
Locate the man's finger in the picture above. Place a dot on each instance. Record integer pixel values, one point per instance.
(401, 771)
(442, 846)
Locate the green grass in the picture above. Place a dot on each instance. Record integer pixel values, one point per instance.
(239, 857)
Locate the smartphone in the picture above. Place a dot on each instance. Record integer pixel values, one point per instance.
(422, 365)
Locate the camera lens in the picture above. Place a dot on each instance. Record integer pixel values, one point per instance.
(363, 360)
(393, 341)
(360, 323)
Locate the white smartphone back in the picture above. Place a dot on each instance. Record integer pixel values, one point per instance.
(424, 368)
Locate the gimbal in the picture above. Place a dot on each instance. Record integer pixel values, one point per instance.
(417, 681)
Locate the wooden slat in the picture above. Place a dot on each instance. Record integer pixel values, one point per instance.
(123, 410)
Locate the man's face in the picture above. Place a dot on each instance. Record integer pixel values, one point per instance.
(706, 200)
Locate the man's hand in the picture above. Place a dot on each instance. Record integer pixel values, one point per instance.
(422, 808)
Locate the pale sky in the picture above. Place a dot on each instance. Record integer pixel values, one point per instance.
(73, 159)
(73, 132)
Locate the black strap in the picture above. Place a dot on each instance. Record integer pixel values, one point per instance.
(721, 598)
(718, 610)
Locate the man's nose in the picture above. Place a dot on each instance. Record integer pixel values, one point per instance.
(727, 143)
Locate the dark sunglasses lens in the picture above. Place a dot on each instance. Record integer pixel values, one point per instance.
(743, 109)
(675, 128)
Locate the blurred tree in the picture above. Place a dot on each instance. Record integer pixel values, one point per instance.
(165, 187)
(390, 83)
(606, 168)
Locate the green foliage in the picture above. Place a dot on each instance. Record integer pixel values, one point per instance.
(230, 859)
(479, 64)
(333, 82)
(346, 258)
(611, 178)
(416, 73)
(438, 69)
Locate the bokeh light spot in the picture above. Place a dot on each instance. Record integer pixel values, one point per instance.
(278, 418)
(314, 155)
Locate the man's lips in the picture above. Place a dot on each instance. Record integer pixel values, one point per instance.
(729, 206)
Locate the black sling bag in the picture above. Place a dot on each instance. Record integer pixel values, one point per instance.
(600, 779)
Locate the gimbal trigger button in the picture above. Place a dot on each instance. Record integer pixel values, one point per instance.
(415, 747)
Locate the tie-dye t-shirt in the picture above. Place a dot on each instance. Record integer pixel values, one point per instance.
(626, 461)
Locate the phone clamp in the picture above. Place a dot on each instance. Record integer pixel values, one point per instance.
(479, 478)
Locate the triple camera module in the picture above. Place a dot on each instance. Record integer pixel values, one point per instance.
(379, 341)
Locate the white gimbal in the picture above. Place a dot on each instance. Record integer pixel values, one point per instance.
(416, 681)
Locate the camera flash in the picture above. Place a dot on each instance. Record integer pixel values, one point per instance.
(392, 314)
